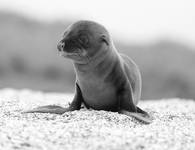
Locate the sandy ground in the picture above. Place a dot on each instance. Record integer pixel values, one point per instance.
(173, 127)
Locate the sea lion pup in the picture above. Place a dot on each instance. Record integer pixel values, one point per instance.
(105, 79)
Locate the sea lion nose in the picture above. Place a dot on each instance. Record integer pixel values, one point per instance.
(60, 46)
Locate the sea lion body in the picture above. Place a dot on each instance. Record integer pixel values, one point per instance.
(105, 79)
(100, 90)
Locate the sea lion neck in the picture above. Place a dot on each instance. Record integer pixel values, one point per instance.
(94, 61)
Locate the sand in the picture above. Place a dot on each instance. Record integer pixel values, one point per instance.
(173, 126)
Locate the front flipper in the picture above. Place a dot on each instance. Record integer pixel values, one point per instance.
(145, 118)
(75, 105)
(127, 106)
(48, 109)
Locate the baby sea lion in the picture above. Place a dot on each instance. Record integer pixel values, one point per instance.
(105, 79)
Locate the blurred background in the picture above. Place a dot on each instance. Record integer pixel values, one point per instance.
(158, 35)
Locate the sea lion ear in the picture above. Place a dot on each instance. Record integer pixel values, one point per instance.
(105, 39)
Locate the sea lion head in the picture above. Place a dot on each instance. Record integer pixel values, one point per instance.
(83, 40)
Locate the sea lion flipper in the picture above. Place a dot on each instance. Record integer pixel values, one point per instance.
(139, 110)
(127, 106)
(75, 105)
(139, 116)
(78, 99)
(125, 98)
(48, 109)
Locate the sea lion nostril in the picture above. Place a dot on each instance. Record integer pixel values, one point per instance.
(60, 46)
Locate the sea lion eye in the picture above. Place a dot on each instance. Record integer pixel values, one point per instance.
(83, 39)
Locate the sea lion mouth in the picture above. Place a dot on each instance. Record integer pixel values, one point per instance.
(78, 53)
(69, 54)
